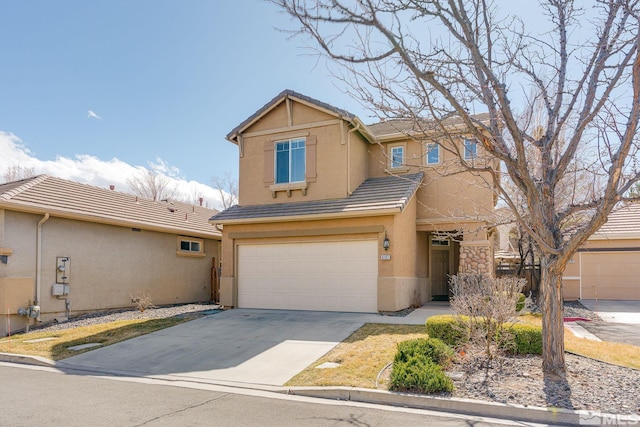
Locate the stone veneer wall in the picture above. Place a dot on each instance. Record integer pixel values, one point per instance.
(476, 257)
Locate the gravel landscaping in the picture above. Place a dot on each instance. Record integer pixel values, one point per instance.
(182, 310)
(590, 385)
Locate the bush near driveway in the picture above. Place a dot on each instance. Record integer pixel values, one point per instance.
(432, 348)
(416, 368)
(523, 338)
(447, 328)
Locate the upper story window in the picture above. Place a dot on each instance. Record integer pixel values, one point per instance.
(397, 157)
(470, 149)
(290, 161)
(433, 153)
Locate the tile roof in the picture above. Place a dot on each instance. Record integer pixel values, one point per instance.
(622, 223)
(412, 126)
(383, 195)
(68, 199)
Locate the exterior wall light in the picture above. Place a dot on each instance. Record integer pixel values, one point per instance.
(385, 243)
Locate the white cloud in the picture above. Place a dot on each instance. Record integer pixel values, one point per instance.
(92, 115)
(101, 173)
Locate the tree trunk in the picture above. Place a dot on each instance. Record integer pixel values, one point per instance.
(552, 317)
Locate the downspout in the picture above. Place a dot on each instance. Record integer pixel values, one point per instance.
(349, 157)
(39, 259)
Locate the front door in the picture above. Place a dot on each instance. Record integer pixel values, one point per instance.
(440, 273)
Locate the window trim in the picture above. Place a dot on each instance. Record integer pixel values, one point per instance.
(290, 141)
(428, 147)
(466, 144)
(190, 253)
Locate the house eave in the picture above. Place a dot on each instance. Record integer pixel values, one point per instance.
(312, 217)
(614, 236)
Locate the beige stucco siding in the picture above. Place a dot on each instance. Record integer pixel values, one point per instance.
(108, 265)
(445, 193)
(337, 157)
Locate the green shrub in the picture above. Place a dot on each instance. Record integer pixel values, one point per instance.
(432, 348)
(527, 339)
(447, 328)
(520, 303)
(419, 374)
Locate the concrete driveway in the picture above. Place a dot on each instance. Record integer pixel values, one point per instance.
(620, 320)
(266, 347)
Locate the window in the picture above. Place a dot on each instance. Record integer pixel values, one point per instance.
(433, 153)
(470, 149)
(290, 161)
(397, 157)
(190, 246)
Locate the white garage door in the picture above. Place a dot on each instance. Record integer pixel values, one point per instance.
(611, 275)
(326, 276)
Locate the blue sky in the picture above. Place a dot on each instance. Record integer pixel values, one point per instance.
(91, 90)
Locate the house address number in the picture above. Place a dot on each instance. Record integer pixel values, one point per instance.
(385, 257)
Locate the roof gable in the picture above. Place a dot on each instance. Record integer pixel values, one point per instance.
(73, 200)
(285, 95)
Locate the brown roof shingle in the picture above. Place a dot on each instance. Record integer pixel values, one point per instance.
(388, 194)
(69, 199)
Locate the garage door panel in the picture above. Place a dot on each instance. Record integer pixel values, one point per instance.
(328, 276)
(611, 275)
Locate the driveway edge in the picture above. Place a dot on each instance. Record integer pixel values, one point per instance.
(461, 406)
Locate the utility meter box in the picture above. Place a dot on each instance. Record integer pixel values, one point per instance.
(63, 269)
(58, 290)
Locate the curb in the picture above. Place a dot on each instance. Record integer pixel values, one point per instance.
(557, 416)
(26, 359)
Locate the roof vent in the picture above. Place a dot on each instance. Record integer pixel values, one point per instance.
(112, 187)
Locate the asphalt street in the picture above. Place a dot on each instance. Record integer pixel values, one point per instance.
(46, 397)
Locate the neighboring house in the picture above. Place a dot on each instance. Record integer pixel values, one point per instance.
(607, 266)
(336, 215)
(67, 247)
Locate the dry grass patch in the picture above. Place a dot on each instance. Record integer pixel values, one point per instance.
(54, 345)
(611, 352)
(361, 357)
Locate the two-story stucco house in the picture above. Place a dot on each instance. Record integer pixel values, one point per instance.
(336, 215)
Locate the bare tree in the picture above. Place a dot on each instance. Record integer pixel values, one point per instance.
(227, 187)
(442, 59)
(17, 172)
(151, 185)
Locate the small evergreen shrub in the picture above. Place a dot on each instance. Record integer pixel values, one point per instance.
(447, 328)
(419, 374)
(527, 339)
(432, 348)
